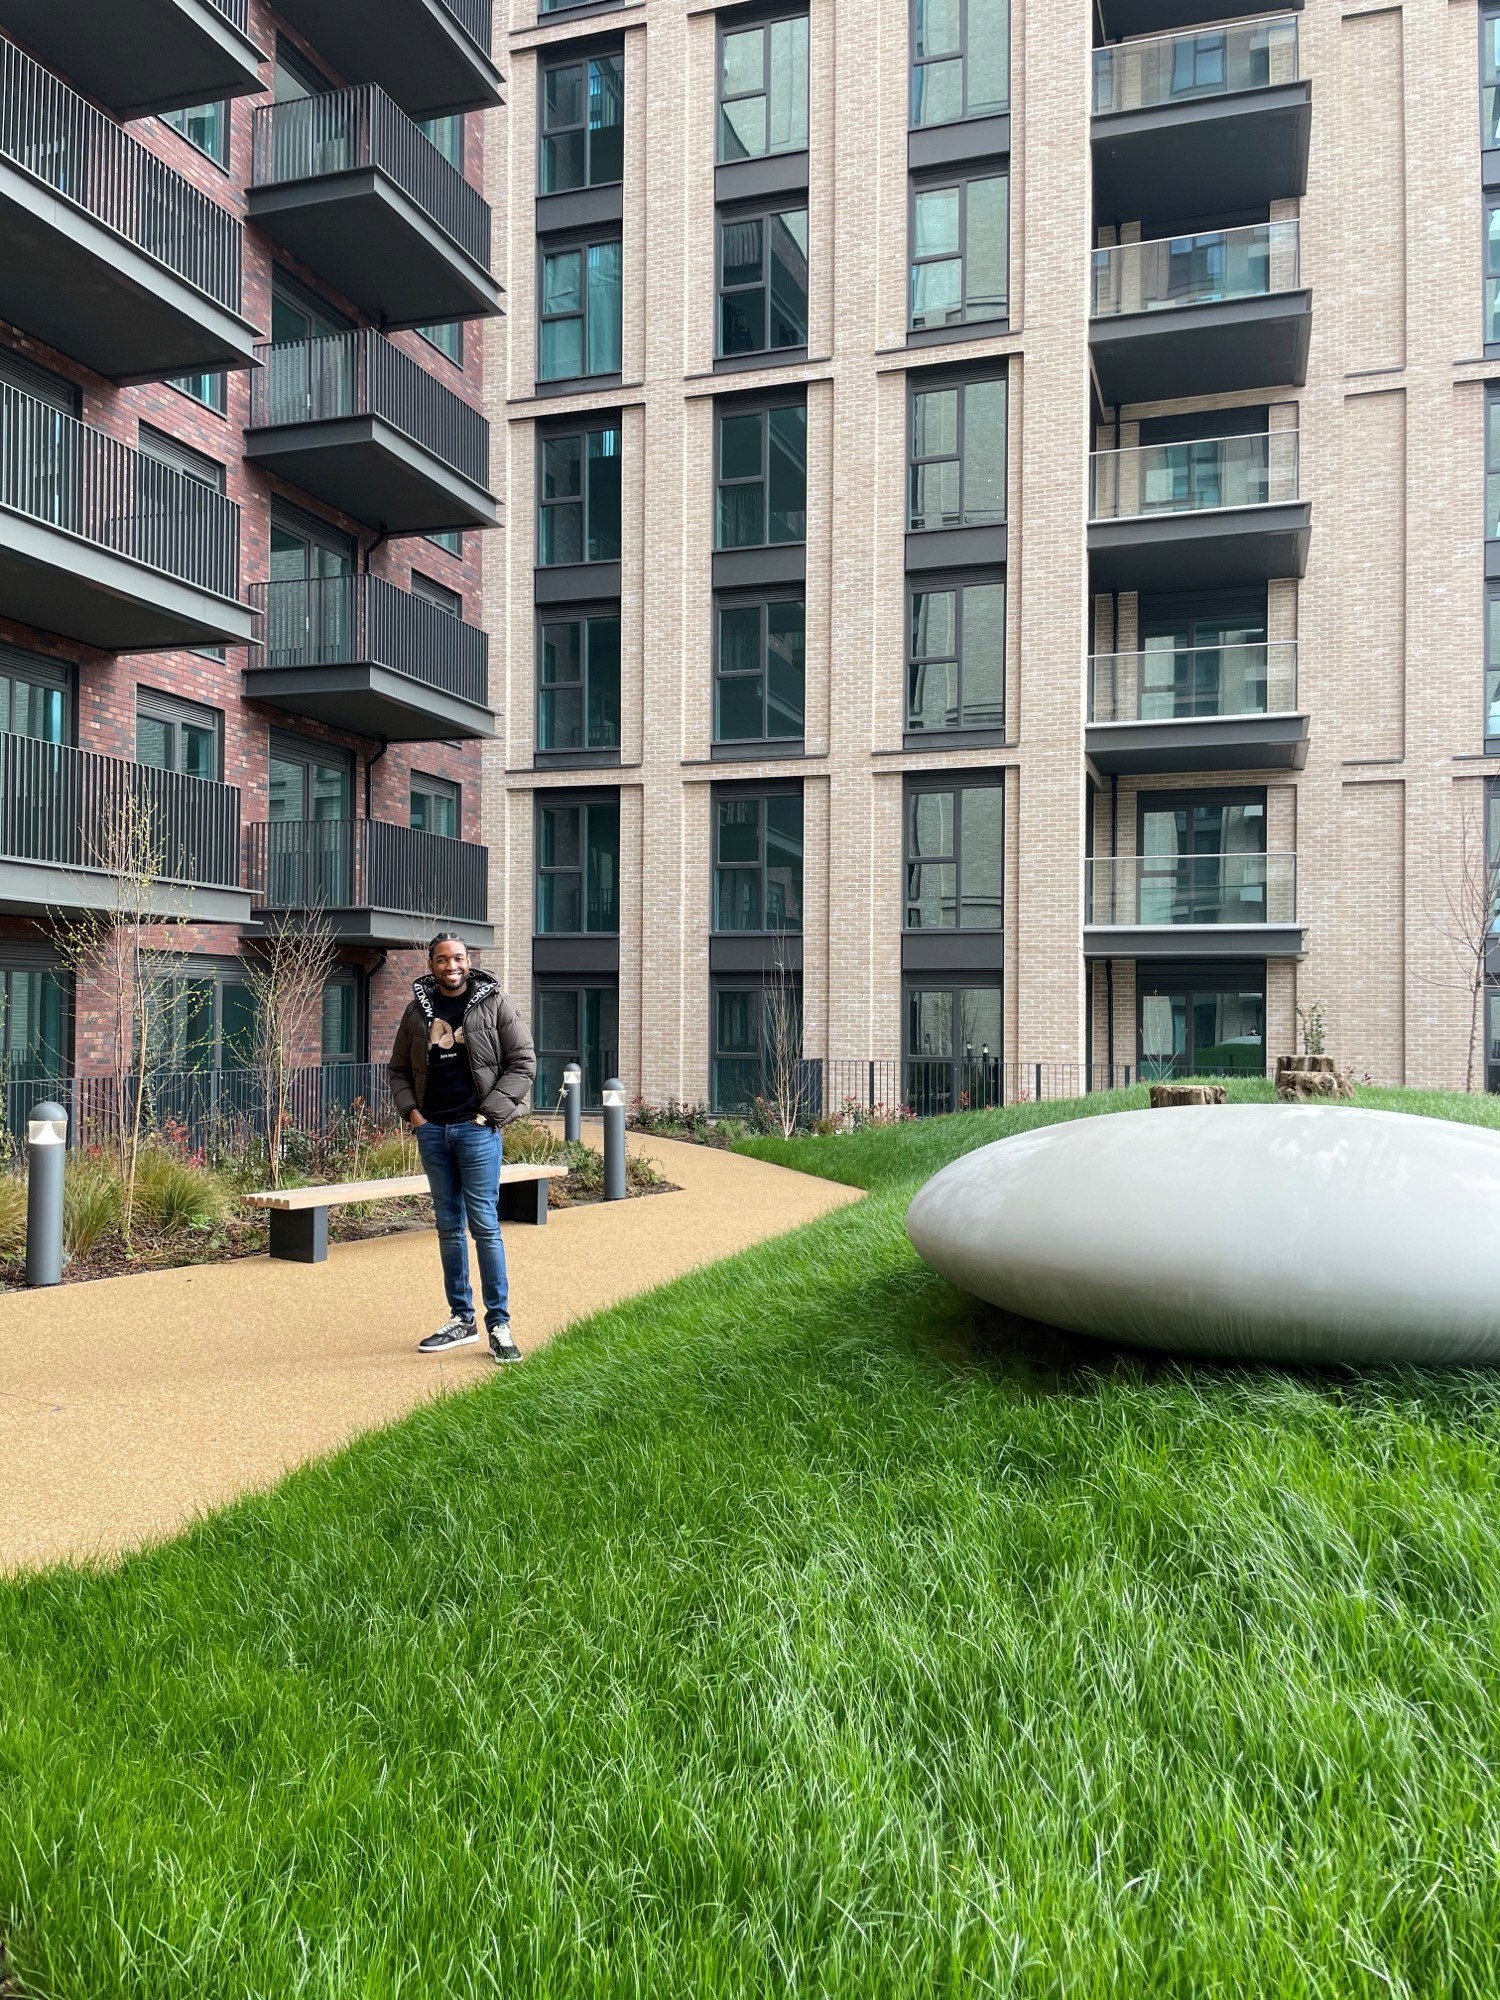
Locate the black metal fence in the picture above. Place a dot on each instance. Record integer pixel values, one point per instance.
(79, 809)
(336, 620)
(476, 18)
(366, 864)
(56, 136)
(925, 1087)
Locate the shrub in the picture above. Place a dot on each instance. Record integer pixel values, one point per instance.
(386, 1158)
(92, 1204)
(174, 1195)
(526, 1140)
(12, 1215)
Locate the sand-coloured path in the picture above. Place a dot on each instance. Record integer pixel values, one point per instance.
(132, 1404)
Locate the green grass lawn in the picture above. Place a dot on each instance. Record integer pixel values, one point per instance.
(804, 1629)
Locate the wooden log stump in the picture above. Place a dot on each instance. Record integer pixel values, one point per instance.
(1165, 1096)
(1308, 1080)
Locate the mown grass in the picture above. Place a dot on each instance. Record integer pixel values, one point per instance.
(803, 1629)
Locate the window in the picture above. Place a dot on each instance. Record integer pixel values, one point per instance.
(450, 539)
(182, 1023)
(341, 1020)
(960, 60)
(759, 674)
(583, 124)
(953, 1042)
(433, 592)
(1492, 661)
(954, 855)
(1491, 274)
(758, 861)
(205, 126)
(958, 454)
(33, 1023)
(35, 697)
(435, 805)
(1492, 464)
(1202, 858)
(578, 684)
(176, 735)
(955, 659)
(580, 311)
(577, 866)
(447, 339)
(960, 251)
(763, 89)
(751, 1023)
(763, 282)
(578, 476)
(1489, 78)
(211, 389)
(156, 448)
(1192, 1025)
(762, 498)
(447, 134)
(575, 1023)
(1203, 659)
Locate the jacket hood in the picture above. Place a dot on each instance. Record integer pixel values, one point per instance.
(480, 982)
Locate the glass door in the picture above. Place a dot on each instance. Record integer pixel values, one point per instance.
(576, 1024)
(1200, 1029)
(1213, 664)
(310, 836)
(1203, 862)
(953, 1048)
(311, 620)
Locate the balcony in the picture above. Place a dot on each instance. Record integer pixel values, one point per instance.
(371, 882)
(144, 56)
(103, 545)
(1199, 315)
(1121, 20)
(359, 424)
(1202, 906)
(1223, 112)
(1197, 515)
(72, 821)
(356, 653)
(354, 190)
(1196, 708)
(432, 56)
(106, 253)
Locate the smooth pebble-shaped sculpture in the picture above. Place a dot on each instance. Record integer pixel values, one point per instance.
(1272, 1231)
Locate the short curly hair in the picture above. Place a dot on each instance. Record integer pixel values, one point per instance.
(444, 937)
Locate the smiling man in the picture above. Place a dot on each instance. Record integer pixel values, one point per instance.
(462, 1068)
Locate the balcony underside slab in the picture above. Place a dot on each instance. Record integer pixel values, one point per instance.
(370, 700)
(1236, 152)
(77, 286)
(1206, 550)
(377, 929)
(61, 584)
(1120, 19)
(369, 470)
(1198, 941)
(371, 242)
(1200, 743)
(138, 56)
(414, 49)
(43, 888)
(1173, 351)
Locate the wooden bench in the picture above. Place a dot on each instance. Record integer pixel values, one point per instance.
(299, 1216)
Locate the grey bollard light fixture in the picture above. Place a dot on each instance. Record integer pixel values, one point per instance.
(46, 1158)
(614, 1140)
(572, 1104)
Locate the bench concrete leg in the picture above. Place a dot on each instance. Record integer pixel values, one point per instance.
(300, 1235)
(523, 1201)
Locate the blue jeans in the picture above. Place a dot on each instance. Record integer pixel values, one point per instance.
(462, 1164)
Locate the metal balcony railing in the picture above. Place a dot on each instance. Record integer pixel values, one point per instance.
(476, 18)
(1197, 270)
(306, 138)
(341, 620)
(235, 12)
(1180, 683)
(1249, 888)
(62, 141)
(361, 374)
(1203, 62)
(105, 815)
(83, 482)
(1257, 470)
(366, 864)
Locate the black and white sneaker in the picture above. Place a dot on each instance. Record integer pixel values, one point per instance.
(502, 1347)
(457, 1333)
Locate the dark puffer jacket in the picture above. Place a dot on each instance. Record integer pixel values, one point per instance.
(501, 1057)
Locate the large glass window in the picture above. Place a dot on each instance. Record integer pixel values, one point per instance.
(176, 735)
(763, 89)
(578, 683)
(583, 124)
(35, 698)
(958, 454)
(1492, 465)
(1489, 77)
(955, 660)
(759, 681)
(33, 1026)
(575, 1023)
(953, 1045)
(341, 1020)
(763, 282)
(1492, 661)
(577, 867)
(1195, 1027)
(1202, 861)
(960, 60)
(762, 483)
(1202, 662)
(753, 1025)
(578, 479)
(580, 311)
(1491, 273)
(960, 251)
(436, 805)
(954, 850)
(758, 862)
(205, 126)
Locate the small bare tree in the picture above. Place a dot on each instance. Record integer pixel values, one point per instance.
(286, 978)
(785, 1071)
(1469, 892)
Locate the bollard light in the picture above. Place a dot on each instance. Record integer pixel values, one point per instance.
(47, 1155)
(614, 1140)
(572, 1103)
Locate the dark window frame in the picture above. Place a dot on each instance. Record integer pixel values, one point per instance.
(758, 984)
(28, 959)
(453, 329)
(1165, 979)
(759, 792)
(765, 213)
(738, 24)
(980, 1080)
(958, 582)
(224, 106)
(561, 245)
(757, 599)
(761, 406)
(584, 59)
(582, 427)
(926, 784)
(916, 63)
(48, 677)
(430, 785)
(939, 181)
(1491, 713)
(218, 403)
(1489, 33)
(602, 610)
(176, 711)
(923, 383)
(585, 803)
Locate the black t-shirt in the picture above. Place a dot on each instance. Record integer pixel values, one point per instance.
(450, 1096)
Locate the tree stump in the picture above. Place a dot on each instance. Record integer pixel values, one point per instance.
(1308, 1079)
(1164, 1096)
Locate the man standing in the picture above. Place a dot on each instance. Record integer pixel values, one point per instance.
(461, 1069)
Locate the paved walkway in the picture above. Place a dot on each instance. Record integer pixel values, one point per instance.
(132, 1404)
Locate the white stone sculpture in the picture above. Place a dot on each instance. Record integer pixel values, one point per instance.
(1275, 1231)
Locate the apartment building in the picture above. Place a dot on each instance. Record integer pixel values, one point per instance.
(245, 271)
(993, 538)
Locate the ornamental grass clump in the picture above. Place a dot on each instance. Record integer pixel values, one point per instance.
(12, 1215)
(93, 1203)
(174, 1195)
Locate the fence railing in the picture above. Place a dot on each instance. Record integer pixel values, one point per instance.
(1176, 683)
(366, 864)
(926, 1086)
(361, 374)
(70, 476)
(1204, 62)
(61, 140)
(235, 12)
(305, 138)
(78, 809)
(1195, 270)
(341, 620)
(1247, 888)
(476, 18)
(1257, 470)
